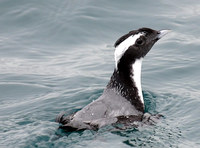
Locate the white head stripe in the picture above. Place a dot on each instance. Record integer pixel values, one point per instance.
(123, 46)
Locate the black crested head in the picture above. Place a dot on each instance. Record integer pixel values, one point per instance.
(136, 44)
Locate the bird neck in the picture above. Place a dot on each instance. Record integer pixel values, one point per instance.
(126, 81)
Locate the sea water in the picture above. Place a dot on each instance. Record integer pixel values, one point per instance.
(58, 56)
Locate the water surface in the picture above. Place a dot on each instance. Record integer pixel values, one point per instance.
(58, 56)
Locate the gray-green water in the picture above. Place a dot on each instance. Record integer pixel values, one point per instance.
(58, 56)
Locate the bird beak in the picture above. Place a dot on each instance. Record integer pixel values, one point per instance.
(162, 33)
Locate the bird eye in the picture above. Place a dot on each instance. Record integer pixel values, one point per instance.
(145, 32)
(139, 42)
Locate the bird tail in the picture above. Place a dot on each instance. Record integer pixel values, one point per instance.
(62, 118)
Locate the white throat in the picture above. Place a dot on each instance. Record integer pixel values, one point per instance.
(136, 70)
(123, 46)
